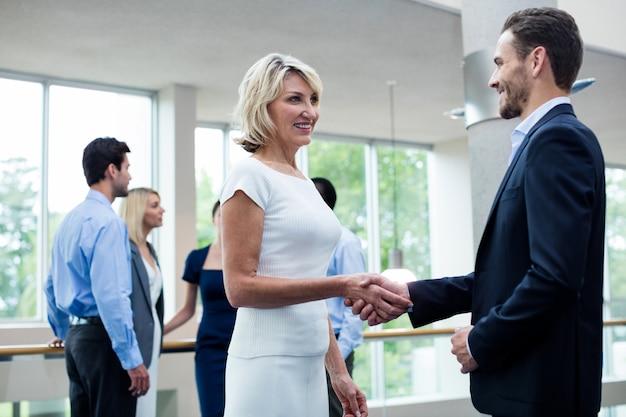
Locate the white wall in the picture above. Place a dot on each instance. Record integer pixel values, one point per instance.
(450, 199)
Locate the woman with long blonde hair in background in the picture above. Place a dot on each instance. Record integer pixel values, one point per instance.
(142, 212)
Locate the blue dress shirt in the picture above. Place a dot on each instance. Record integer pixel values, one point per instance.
(347, 258)
(90, 275)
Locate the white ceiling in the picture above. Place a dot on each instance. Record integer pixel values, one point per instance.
(355, 45)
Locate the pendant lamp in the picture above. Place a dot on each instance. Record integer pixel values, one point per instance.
(395, 270)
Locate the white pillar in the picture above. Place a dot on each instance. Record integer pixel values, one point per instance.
(175, 182)
(488, 134)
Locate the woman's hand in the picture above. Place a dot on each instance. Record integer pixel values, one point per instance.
(376, 298)
(352, 399)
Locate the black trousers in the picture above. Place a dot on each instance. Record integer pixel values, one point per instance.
(335, 409)
(98, 383)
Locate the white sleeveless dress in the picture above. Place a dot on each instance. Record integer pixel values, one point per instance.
(275, 364)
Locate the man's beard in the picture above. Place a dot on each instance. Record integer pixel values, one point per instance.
(517, 96)
(120, 191)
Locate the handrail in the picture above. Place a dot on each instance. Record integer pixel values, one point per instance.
(188, 345)
(395, 333)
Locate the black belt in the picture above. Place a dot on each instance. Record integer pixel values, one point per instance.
(79, 321)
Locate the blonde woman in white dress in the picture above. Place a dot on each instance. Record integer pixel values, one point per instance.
(277, 237)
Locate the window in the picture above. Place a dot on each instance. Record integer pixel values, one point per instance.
(343, 164)
(615, 272)
(79, 115)
(381, 369)
(44, 128)
(214, 155)
(209, 167)
(20, 195)
(615, 275)
(404, 223)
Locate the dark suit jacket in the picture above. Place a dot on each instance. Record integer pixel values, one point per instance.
(141, 304)
(536, 292)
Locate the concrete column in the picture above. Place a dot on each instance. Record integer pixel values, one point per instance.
(175, 182)
(488, 134)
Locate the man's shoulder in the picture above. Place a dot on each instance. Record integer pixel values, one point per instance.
(562, 113)
(350, 249)
(564, 124)
(89, 215)
(348, 235)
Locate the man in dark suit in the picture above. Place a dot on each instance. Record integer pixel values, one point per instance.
(535, 344)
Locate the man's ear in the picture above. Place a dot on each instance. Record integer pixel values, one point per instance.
(111, 170)
(539, 61)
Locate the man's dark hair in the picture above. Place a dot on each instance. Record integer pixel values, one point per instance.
(326, 189)
(557, 32)
(216, 205)
(99, 154)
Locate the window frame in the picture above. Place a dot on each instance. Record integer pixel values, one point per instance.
(43, 232)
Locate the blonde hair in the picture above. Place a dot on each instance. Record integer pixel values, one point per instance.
(261, 85)
(133, 209)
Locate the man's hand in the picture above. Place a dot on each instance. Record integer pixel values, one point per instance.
(373, 315)
(139, 381)
(459, 349)
(56, 343)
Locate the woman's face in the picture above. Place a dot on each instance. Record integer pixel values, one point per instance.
(294, 112)
(153, 217)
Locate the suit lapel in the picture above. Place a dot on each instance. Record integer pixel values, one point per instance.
(557, 110)
(142, 274)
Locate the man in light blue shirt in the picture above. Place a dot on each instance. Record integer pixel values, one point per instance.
(88, 290)
(347, 258)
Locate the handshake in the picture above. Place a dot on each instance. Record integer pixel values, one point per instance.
(377, 299)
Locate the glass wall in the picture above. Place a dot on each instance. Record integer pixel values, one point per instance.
(615, 272)
(21, 122)
(344, 165)
(215, 152)
(209, 167)
(616, 242)
(44, 127)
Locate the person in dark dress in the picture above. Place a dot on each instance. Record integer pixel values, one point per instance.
(203, 269)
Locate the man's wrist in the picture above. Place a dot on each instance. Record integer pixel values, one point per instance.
(408, 293)
(469, 351)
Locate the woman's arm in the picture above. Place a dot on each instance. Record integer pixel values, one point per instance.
(352, 399)
(242, 232)
(187, 310)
